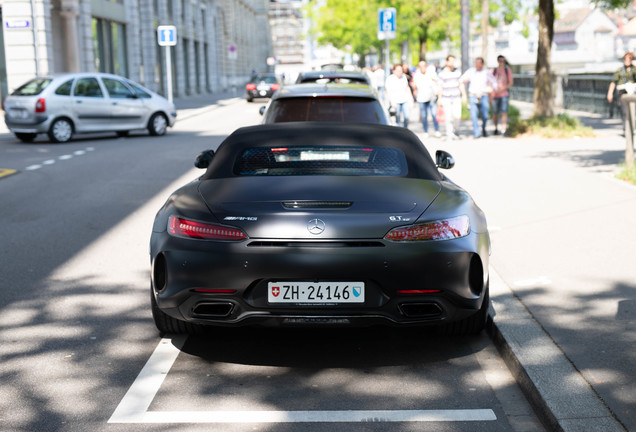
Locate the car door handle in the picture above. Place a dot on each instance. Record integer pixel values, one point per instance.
(115, 103)
(79, 101)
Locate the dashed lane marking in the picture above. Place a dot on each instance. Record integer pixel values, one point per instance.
(61, 158)
(133, 408)
(5, 172)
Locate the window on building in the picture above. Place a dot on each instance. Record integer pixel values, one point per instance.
(109, 45)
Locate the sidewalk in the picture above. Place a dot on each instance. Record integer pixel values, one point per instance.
(568, 336)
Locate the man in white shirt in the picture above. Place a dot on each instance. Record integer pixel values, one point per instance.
(481, 83)
(453, 92)
(399, 95)
(427, 90)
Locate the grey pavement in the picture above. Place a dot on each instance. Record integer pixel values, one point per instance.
(568, 337)
(566, 397)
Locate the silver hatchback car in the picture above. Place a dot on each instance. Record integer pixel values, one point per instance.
(63, 105)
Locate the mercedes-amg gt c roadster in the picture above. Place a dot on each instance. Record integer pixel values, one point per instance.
(320, 224)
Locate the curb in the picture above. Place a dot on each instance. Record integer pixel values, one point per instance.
(562, 399)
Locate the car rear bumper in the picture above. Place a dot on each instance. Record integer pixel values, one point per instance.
(39, 124)
(453, 272)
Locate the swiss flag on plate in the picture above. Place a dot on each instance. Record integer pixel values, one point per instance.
(275, 291)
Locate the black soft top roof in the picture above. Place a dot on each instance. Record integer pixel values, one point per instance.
(420, 163)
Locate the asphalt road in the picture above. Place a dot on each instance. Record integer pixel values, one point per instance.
(79, 351)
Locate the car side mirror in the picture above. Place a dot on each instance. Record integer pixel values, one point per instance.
(204, 159)
(444, 160)
(261, 110)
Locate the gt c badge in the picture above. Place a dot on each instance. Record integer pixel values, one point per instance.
(316, 226)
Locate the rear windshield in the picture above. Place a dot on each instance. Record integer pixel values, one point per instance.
(332, 80)
(321, 160)
(264, 78)
(33, 87)
(339, 109)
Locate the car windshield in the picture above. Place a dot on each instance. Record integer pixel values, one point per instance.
(321, 160)
(33, 87)
(270, 79)
(339, 109)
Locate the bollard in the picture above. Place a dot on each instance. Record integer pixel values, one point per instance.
(628, 101)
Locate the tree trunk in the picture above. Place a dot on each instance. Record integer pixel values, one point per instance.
(543, 103)
(423, 47)
(485, 13)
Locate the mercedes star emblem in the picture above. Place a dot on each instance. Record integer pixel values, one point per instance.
(316, 226)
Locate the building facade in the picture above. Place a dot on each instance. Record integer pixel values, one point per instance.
(219, 42)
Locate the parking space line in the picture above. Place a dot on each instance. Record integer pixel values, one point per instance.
(140, 395)
(133, 408)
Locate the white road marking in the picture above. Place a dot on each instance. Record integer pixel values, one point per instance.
(140, 395)
(63, 157)
(133, 408)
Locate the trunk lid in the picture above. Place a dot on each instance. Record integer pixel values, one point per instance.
(318, 207)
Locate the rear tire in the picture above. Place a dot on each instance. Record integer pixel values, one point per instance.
(61, 131)
(158, 124)
(474, 324)
(25, 137)
(168, 325)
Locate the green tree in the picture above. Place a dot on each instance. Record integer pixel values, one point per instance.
(427, 22)
(350, 25)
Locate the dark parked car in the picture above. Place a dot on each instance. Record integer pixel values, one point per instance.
(337, 76)
(261, 86)
(320, 224)
(326, 102)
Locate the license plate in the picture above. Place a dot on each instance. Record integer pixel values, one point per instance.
(315, 292)
(18, 113)
(263, 92)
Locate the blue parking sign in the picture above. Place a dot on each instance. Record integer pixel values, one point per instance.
(167, 35)
(386, 23)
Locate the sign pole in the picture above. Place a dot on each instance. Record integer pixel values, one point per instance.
(169, 72)
(167, 36)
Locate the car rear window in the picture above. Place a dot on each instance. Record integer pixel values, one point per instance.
(321, 160)
(33, 87)
(339, 109)
(332, 80)
(270, 79)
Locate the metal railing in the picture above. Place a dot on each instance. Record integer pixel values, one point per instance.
(578, 92)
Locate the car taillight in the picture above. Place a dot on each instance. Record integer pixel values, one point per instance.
(275, 87)
(436, 230)
(250, 87)
(40, 105)
(181, 227)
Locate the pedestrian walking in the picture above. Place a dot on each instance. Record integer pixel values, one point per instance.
(481, 83)
(427, 88)
(398, 93)
(378, 81)
(501, 96)
(453, 91)
(626, 74)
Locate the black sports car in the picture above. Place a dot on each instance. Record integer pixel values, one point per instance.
(318, 224)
